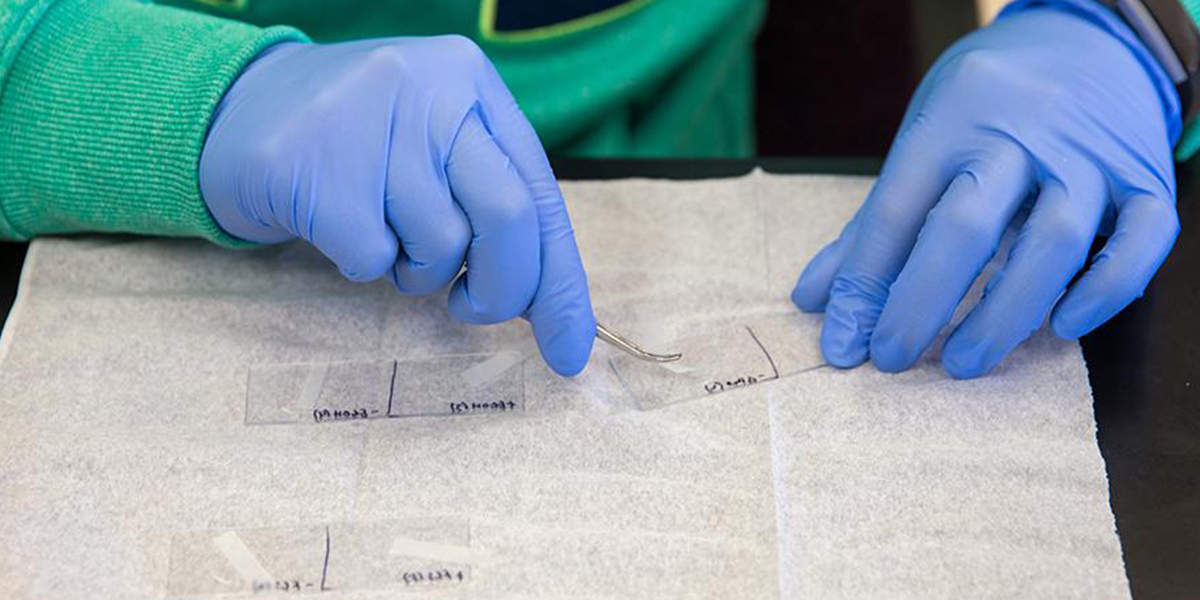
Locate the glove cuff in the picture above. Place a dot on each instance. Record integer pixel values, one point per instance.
(103, 116)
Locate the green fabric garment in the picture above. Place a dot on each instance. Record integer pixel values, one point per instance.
(1189, 142)
(104, 104)
(663, 78)
(104, 108)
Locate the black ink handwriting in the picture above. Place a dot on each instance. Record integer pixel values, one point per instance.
(279, 585)
(338, 414)
(431, 577)
(457, 408)
(714, 387)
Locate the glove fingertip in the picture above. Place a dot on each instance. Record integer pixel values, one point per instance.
(846, 333)
(842, 348)
(471, 308)
(1081, 311)
(964, 360)
(568, 347)
(811, 292)
(806, 299)
(889, 354)
(368, 260)
(1067, 328)
(458, 304)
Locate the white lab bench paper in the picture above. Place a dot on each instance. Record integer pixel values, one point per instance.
(186, 421)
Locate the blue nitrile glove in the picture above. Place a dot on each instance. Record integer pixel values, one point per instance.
(403, 157)
(1059, 108)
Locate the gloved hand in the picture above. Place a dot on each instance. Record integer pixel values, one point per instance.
(1059, 108)
(403, 157)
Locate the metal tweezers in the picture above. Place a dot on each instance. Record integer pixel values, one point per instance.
(633, 349)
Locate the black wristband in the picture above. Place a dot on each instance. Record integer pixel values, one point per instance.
(1171, 36)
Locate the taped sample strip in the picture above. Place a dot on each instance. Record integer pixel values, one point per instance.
(498, 364)
(723, 359)
(241, 558)
(419, 553)
(487, 371)
(416, 553)
(310, 394)
(377, 389)
(206, 563)
(411, 548)
(318, 393)
(438, 387)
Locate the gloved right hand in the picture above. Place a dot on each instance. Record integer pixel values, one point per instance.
(403, 157)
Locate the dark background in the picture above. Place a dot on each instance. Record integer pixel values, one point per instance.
(834, 77)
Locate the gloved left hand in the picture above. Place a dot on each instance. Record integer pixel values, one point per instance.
(1057, 102)
(403, 157)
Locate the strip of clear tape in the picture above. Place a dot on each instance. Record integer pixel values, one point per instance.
(378, 389)
(410, 554)
(721, 358)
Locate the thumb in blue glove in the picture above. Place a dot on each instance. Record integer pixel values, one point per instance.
(1057, 102)
(403, 157)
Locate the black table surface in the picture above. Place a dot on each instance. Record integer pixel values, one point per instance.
(1144, 367)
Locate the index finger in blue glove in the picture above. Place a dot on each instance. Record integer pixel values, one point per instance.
(811, 293)
(914, 176)
(561, 311)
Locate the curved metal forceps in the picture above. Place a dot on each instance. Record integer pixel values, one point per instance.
(632, 349)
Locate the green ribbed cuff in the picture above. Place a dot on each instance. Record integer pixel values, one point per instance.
(103, 116)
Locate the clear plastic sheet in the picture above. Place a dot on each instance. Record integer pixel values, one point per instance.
(416, 554)
(379, 389)
(726, 358)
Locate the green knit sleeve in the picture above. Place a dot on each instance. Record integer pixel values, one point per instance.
(1189, 142)
(104, 106)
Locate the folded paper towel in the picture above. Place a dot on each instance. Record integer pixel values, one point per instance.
(182, 420)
